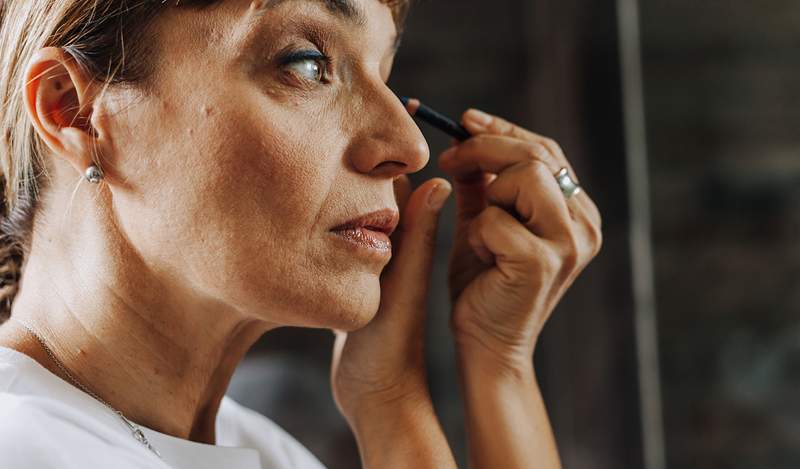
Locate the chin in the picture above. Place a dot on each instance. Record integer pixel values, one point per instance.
(357, 302)
(344, 299)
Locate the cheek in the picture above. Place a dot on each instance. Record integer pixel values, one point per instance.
(266, 193)
(259, 185)
(281, 255)
(239, 207)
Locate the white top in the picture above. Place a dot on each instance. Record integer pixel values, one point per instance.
(46, 423)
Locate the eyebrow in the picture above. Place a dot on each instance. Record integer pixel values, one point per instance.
(344, 9)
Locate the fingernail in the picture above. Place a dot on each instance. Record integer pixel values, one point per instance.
(479, 118)
(438, 196)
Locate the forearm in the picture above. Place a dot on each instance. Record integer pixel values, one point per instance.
(507, 422)
(401, 435)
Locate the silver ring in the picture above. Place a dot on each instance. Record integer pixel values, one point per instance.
(568, 185)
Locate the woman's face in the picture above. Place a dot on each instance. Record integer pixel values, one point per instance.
(268, 124)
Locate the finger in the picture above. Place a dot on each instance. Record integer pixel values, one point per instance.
(493, 154)
(528, 189)
(478, 122)
(404, 283)
(588, 212)
(470, 193)
(496, 237)
(590, 235)
(593, 211)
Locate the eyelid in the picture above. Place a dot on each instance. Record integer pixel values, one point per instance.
(296, 56)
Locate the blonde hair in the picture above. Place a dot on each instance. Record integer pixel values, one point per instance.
(103, 38)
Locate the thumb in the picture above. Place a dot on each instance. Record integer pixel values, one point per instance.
(404, 282)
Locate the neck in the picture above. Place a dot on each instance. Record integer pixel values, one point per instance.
(154, 351)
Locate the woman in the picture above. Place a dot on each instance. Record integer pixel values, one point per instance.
(180, 179)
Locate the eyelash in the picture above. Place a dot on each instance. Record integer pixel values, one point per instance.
(322, 60)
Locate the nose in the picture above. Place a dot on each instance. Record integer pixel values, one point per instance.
(387, 143)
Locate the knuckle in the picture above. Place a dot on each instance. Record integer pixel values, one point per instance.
(571, 253)
(526, 170)
(597, 217)
(549, 264)
(596, 239)
(534, 260)
(502, 126)
(487, 219)
(536, 151)
(552, 145)
(537, 169)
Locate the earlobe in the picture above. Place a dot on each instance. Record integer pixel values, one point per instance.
(58, 99)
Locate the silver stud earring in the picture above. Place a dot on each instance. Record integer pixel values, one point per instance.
(93, 174)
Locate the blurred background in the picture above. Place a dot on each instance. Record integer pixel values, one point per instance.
(679, 347)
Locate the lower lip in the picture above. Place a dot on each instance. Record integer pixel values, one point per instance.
(366, 241)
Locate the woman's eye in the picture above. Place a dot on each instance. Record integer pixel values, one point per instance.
(308, 69)
(307, 65)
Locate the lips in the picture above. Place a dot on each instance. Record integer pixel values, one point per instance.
(367, 236)
(382, 221)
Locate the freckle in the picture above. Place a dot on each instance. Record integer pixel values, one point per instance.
(207, 110)
(190, 131)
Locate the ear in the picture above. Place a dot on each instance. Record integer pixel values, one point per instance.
(58, 98)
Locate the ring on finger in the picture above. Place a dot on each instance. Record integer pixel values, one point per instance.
(568, 185)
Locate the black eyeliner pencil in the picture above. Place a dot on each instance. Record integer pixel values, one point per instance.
(436, 119)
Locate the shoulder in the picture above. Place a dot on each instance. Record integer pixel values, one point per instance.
(239, 426)
(43, 433)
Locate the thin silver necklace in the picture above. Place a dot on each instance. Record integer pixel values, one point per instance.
(136, 432)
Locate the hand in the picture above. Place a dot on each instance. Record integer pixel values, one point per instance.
(519, 243)
(383, 363)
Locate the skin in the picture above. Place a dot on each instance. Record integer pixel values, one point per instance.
(211, 227)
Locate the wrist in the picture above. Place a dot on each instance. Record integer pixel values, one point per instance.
(400, 434)
(394, 409)
(491, 359)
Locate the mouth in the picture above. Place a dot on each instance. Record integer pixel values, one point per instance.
(369, 233)
(381, 221)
